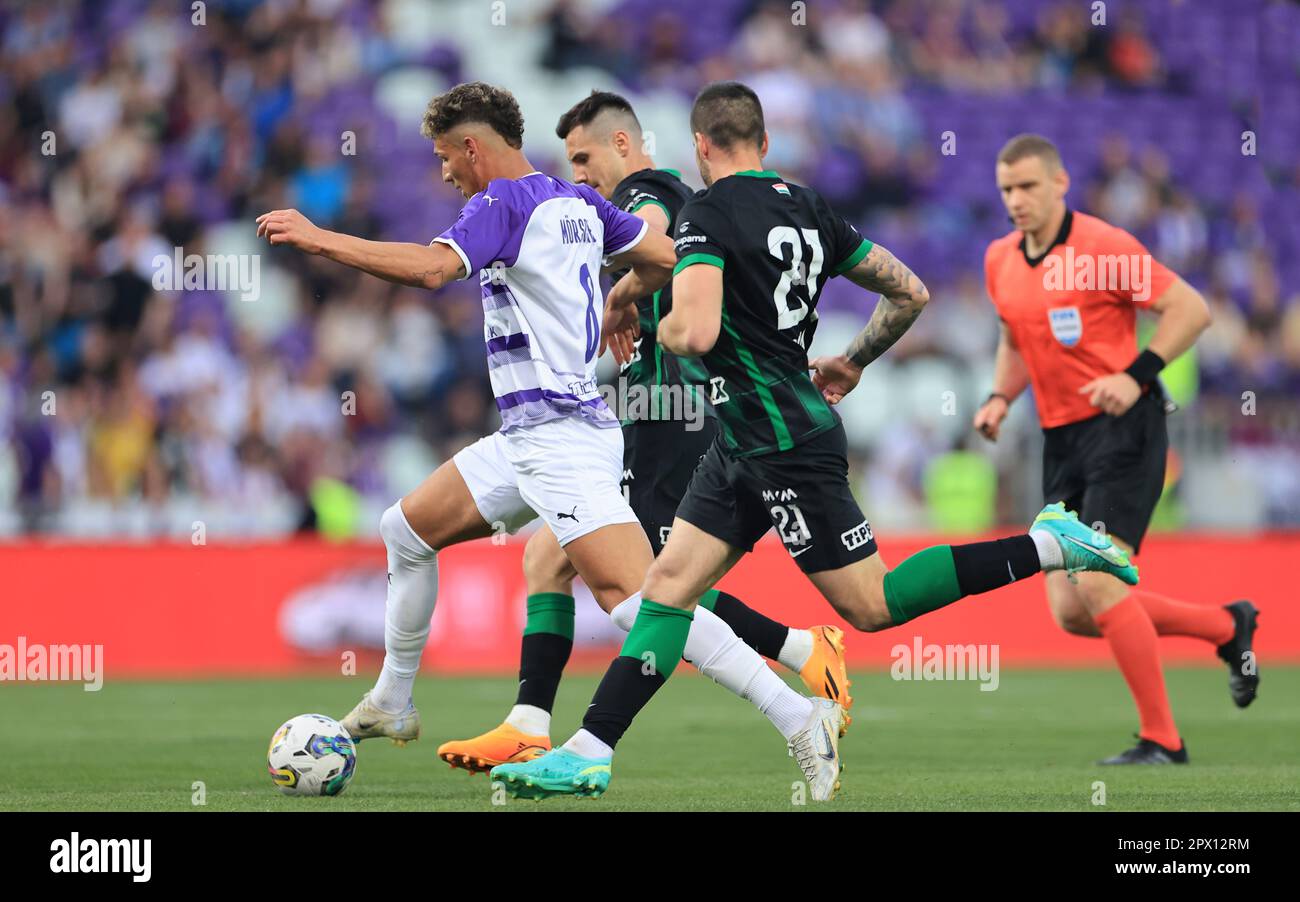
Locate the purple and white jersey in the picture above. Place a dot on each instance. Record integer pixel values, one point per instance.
(536, 243)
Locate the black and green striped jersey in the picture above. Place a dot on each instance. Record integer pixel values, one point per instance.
(652, 365)
(777, 244)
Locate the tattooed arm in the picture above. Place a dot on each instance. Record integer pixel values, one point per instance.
(902, 297)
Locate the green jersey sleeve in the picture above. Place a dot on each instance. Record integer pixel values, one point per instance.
(701, 233)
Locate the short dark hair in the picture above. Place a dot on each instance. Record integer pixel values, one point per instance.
(475, 101)
(1029, 145)
(727, 113)
(585, 111)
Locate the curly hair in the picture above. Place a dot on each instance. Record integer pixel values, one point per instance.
(475, 101)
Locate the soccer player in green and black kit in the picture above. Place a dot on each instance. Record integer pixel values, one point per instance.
(667, 428)
(753, 253)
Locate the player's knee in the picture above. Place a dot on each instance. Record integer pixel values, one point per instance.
(1098, 591)
(544, 562)
(1071, 606)
(399, 537)
(1074, 620)
(656, 579)
(663, 582)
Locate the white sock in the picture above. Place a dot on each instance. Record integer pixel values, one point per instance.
(1049, 553)
(624, 613)
(530, 719)
(412, 594)
(714, 648)
(588, 746)
(717, 652)
(787, 709)
(797, 649)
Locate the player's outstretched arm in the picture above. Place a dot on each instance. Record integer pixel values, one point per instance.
(428, 266)
(902, 298)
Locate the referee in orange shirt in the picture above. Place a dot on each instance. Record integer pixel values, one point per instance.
(1067, 287)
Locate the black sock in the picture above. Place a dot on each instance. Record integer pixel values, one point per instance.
(982, 566)
(624, 691)
(542, 657)
(763, 634)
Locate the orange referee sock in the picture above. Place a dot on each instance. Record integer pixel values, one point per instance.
(1180, 618)
(1133, 642)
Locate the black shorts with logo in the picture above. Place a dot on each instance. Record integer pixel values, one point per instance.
(1110, 470)
(803, 492)
(659, 457)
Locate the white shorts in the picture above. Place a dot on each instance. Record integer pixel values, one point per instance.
(566, 470)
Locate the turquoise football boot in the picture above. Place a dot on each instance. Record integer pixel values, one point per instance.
(559, 772)
(1083, 548)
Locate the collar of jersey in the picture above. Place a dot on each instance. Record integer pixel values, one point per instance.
(524, 176)
(757, 174)
(1061, 237)
(675, 173)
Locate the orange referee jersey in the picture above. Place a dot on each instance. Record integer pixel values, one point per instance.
(1072, 312)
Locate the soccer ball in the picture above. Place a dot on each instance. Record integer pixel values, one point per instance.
(311, 755)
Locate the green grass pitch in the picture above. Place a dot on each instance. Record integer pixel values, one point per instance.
(1029, 745)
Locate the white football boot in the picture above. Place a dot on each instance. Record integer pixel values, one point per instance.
(366, 721)
(816, 748)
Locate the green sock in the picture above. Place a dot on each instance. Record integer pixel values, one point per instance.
(924, 582)
(709, 599)
(658, 636)
(550, 612)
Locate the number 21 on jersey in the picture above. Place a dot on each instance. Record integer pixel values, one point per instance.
(795, 273)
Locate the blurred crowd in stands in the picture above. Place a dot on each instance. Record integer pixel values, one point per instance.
(128, 130)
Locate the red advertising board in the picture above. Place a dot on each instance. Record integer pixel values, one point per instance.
(182, 610)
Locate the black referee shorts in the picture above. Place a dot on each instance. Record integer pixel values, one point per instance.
(1110, 469)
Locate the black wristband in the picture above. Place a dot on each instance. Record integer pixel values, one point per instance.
(1146, 367)
(997, 394)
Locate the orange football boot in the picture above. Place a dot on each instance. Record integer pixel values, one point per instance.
(824, 672)
(500, 745)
